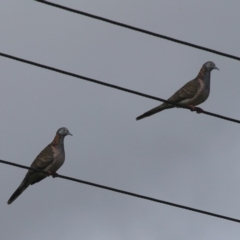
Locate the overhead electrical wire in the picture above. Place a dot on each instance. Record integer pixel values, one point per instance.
(127, 193)
(139, 29)
(112, 86)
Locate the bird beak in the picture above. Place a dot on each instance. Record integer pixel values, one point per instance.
(216, 68)
(70, 134)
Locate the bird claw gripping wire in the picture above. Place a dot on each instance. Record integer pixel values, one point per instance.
(196, 109)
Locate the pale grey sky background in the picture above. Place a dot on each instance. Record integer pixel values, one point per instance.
(175, 155)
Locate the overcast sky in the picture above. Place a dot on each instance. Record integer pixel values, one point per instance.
(176, 155)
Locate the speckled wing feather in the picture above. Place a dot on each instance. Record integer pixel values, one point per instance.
(41, 162)
(188, 91)
(44, 158)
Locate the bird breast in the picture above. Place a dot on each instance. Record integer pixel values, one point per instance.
(59, 158)
(200, 97)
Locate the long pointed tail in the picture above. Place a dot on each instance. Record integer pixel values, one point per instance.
(19, 190)
(154, 110)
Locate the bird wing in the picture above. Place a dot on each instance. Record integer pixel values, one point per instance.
(41, 162)
(44, 158)
(188, 91)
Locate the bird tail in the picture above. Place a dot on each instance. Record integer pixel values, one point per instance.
(154, 110)
(19, 190)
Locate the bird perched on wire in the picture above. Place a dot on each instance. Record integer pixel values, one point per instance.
(191, 94)
(50, 159)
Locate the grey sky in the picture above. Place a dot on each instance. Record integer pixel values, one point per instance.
(175, 155)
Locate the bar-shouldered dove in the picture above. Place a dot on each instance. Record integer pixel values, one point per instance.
(191, 94)
(50, 159)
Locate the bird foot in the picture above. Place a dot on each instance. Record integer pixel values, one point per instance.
(53, 174)
(196, 109)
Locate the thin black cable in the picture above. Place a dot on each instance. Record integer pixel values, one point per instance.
(112, 86)
(126, 192)
(139, 29)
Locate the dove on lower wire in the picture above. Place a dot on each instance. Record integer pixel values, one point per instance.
(191, 94)
(50, 159)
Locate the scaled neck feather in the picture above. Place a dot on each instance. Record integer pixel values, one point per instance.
(58, 140)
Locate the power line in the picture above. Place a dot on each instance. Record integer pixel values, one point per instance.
(126, 193)
(113, 86)
(139, 29)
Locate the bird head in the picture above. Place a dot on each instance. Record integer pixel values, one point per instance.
(210, 66)
(63, 132)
